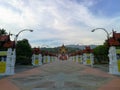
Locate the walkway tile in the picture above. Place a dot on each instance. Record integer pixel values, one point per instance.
(61, 75)
(5, 84)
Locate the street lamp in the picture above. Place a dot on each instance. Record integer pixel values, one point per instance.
(16, 36)
(103, 30)
(108, 34)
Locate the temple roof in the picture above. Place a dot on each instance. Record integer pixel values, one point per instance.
(87, 50)
(115, 40)
(4, 38)
(5, 42)
(116, 35)
(9, 44)
(36, 50)
(63, 49)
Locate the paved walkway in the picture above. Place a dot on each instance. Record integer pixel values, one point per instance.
(61, 75)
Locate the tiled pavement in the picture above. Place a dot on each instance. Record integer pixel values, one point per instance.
(61, 75)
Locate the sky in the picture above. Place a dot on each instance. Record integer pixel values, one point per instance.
(57, 22)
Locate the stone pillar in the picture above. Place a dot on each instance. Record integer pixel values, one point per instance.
(114, 60)
(3, 60)
(51, 58)
(48, 57)
(74, 58)
(36, 59)
(92, 59)
(7, 62)
(88, 59)
(54, 57)
(7, 65)
(33, 58)
(70, 57)
(40, 59)
(45, 59)
(80, 58)
(84, 58)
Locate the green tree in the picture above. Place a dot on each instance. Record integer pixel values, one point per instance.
(3, 31)
(23, 52)
(101, 53)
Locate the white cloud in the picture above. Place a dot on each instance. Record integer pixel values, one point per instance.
(65, 20)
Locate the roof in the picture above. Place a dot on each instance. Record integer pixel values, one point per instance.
(6, 42)
(36, 50)
(9, 44)
(116, 35)
(87, 50)
(4, 38)
(114, 41)
(63, 49)
(78, 52)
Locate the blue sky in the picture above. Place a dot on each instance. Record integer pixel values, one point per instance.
(108, 8)
(57, 22)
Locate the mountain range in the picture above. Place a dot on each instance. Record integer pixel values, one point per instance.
(80, 46)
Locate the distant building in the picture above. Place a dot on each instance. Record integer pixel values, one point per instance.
(63, 49)
(63, 53)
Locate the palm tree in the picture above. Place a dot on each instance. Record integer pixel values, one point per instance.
(3, 32)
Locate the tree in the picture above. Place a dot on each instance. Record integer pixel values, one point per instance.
(101, 53)
(23, 52)
(3, 31)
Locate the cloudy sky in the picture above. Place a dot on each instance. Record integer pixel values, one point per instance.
(57, 22)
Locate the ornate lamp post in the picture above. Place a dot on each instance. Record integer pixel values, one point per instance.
(103, 30)
(16, 36)
(108, 34)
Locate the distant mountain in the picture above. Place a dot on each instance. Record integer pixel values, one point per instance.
(80, 46)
